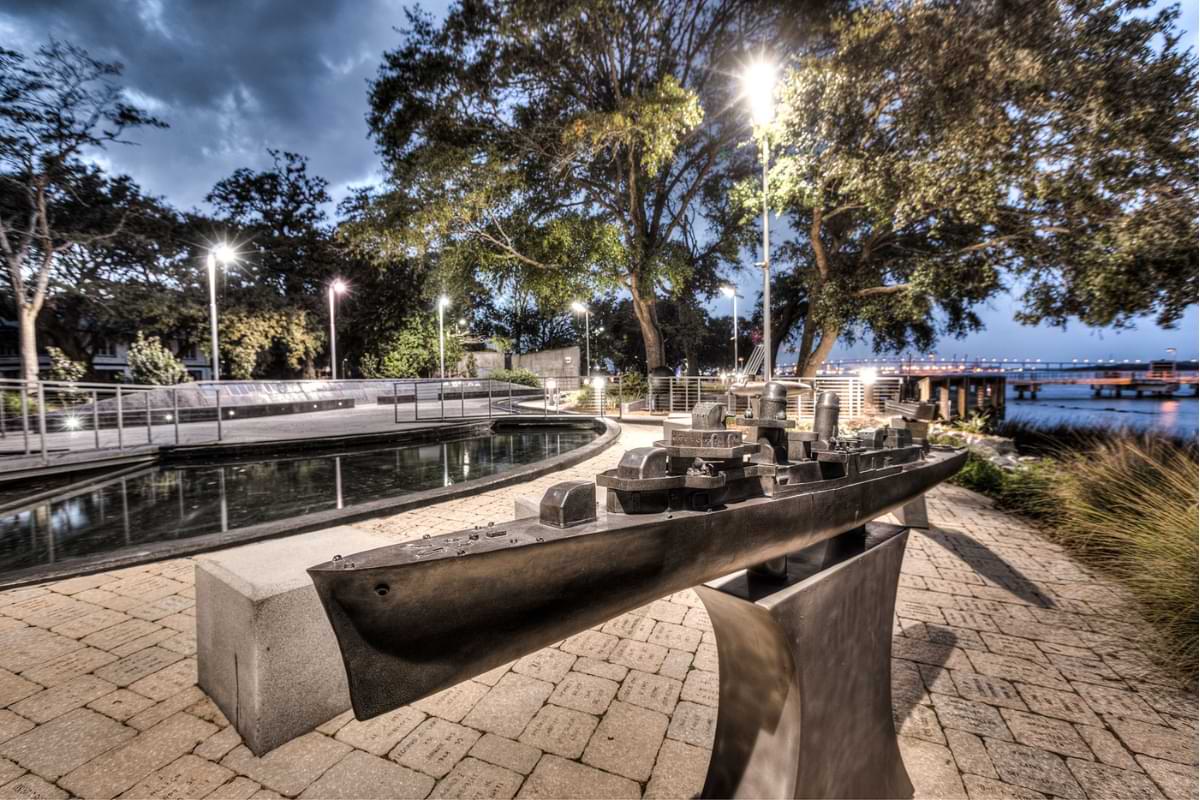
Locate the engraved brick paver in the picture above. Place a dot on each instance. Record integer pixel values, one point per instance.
(121, 768)
(508, 707)
(290, 768)
(1013, 639)
(627, 741)
(54, 749)
(360, 775)
(1101, 780)
(187, 776)
(1032, 768)
(50, 703)
(477, 780)
(506, 753)
(585, 693)
(435, 746)
(379, 735)
(31, 786)
(1054, 735)
(14, 688)
(559, 730)
(555, 778)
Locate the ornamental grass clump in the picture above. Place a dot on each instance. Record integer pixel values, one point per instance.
(1128, 506)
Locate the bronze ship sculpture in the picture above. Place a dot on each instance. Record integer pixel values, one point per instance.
(418, 617)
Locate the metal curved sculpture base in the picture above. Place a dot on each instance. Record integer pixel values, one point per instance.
(805, 691)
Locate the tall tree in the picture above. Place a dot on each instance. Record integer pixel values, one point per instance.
(54, 107)
(928, 148)
(565, 143)
(145, 278)
(287, 258)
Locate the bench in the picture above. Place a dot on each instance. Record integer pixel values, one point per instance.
(266, 653)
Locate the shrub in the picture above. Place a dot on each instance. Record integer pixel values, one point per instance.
(63, 368)
(413, 351)
(980, 475)
(1128, 507)
(521, 377)
(151, 362)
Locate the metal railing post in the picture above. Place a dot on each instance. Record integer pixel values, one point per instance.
(442, 396)
(220, 432)
(671, 396)
(489, 400)
(42, 420)
(149, 421)
(620, 397)
(175, 411)
(120, 421)
(25, 415)
(395, 403)
(3, 419)
(545, 399)
(462, 399)
(96, 418)
(511, 410)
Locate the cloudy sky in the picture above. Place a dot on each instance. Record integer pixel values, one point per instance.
(233, 78)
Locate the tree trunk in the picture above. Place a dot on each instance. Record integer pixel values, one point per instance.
(646, 311)
(829, 337)
(26, 321)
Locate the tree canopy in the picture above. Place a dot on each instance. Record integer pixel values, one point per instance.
(566, 147)
(927, 150)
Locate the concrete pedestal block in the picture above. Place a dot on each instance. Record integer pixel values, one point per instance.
(266, 653)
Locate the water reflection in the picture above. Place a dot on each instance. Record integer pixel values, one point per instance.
(172, 503)
(1075, 405)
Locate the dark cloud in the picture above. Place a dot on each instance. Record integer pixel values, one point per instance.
(231, 79)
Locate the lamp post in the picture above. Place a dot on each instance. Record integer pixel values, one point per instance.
(580, 308)
(759, 86)
(226, 255)
(731, 293)
(335, 288)
(443, 304)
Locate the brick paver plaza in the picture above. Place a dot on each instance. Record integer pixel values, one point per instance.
(1017, 673)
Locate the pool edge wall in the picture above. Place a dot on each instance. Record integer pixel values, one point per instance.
(608, 429)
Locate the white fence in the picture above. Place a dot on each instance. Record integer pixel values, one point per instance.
(856, 398)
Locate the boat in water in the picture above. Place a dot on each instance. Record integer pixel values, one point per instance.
(420, 616)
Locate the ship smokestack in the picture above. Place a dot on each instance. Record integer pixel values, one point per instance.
(825, 417)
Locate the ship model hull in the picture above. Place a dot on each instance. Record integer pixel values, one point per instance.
(418, 617)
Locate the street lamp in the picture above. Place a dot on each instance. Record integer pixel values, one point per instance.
(226, 255)
(337, 287)
(580, 308)
(731, 293)
(443, 304)
(758, 83)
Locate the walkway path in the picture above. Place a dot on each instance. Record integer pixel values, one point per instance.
(1016, 674)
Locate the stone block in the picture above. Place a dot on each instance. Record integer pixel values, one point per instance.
(266, 653)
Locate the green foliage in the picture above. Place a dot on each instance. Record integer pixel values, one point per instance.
(413, 351)
(1128, 507)
(976, 423)
(58, 104)
(519, 376)
(252, 341)
(922, 149)
(150, 362)
(980, 475)
(632, 386)
(518, 148)
(63, 368)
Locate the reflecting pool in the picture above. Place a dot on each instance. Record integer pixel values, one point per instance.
(168, 503)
